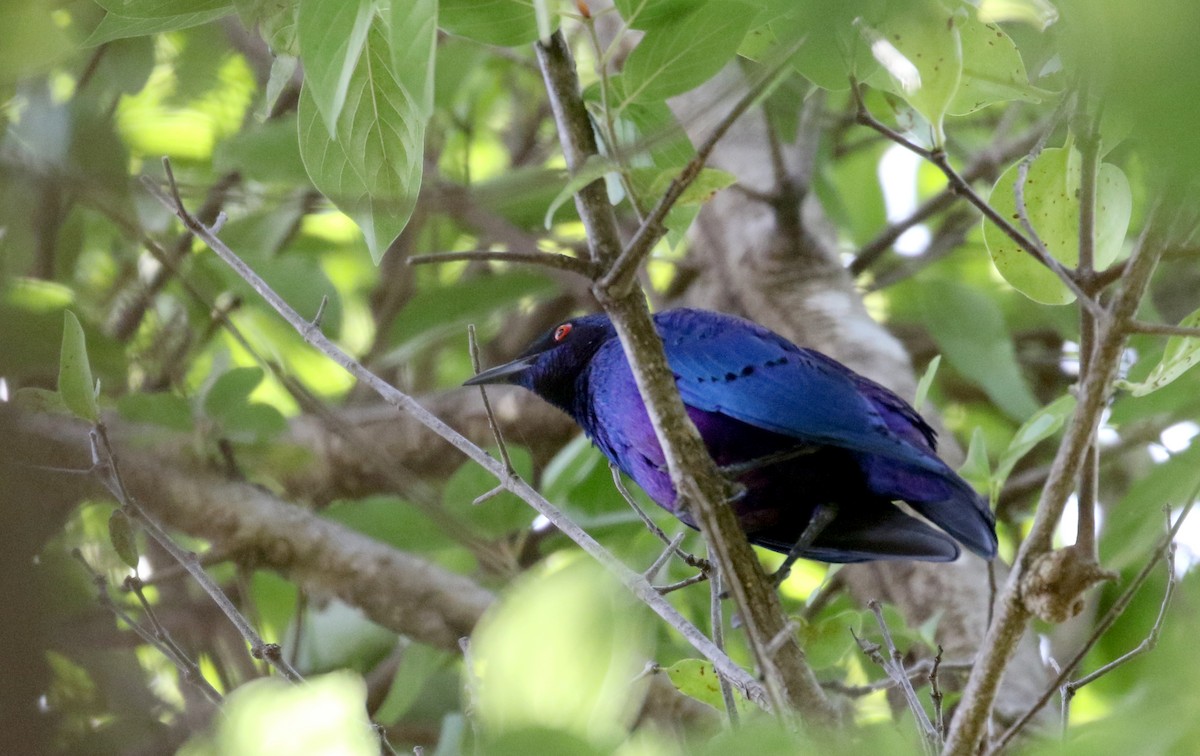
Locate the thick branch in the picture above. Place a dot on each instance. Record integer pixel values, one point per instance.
(698, 484)
(970, 720)
(397, 590)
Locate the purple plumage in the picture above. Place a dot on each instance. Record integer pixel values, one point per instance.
(795, 429)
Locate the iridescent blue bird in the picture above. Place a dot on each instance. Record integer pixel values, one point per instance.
(820, 453)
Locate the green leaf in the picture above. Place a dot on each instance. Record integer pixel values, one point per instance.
(559, 651)
(37, 399)
(255, 422)
(228, 403)
(831, 47)
(648, 14)
(1135, 523)
(499, 515)
(970, 331)
(652, 183)
(113, 27)
(32, 38)
(992, 69)
(919, 48)
(389, 520)
(231, 392)
(976, 469)
(413, 27)
(266, 152)
(826, 642)
(925, 382)
(696, 678)
(653, 127)
(675, 58)
(163, 8)
(165, 409)
(283, 67)
(594, 168)
(372, 169)
(1180, 354)
(1037, 13)
(75, 382)
(507, 23)
(332, 35)
(1052, 205)
(324, 714)
(276, 22)
(436, 311)
(121, 536)
(1045, 423)
(419, 665)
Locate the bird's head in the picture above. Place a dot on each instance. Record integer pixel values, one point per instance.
(550, 367)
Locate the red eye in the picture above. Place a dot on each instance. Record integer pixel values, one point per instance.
(561, 332)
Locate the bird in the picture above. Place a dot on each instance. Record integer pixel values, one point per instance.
(818, 455)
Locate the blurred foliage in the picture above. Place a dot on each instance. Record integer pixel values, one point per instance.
(329, 133)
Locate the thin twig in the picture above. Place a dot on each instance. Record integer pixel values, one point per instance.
(546, 259)
(689, 559)
(699, 577)
(1164, 329)
(1023, 176)
(473, 346)
(1148, 643)
(717, 623)
(301, 614)
(984, 164)
(917, 672)
(106, 464)
(935, 694)
(893, 664)
(159, 639)
(633, 581)
(652, 571)
(621, 276)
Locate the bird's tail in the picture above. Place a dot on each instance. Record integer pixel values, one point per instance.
(868, 531)
(941, 496)
(963, 514)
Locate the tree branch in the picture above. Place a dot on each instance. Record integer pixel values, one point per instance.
(970, 721)
(787, 678)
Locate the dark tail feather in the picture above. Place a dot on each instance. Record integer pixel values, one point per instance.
(964, 514)
(864, 532)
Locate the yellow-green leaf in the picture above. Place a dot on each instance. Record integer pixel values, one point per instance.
(121, 536)
(697, 679)
(992, 69)
(1051, 194)
(1181, 353)
(919, 48)
(75, 382)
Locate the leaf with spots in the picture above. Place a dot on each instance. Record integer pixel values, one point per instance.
(697, 679)
(992, 69)
(1051, 195)
(919, 48)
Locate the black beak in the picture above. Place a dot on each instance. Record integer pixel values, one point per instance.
(503, 373)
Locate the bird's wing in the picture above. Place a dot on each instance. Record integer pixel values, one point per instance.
(727, 365)
(740, 369)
